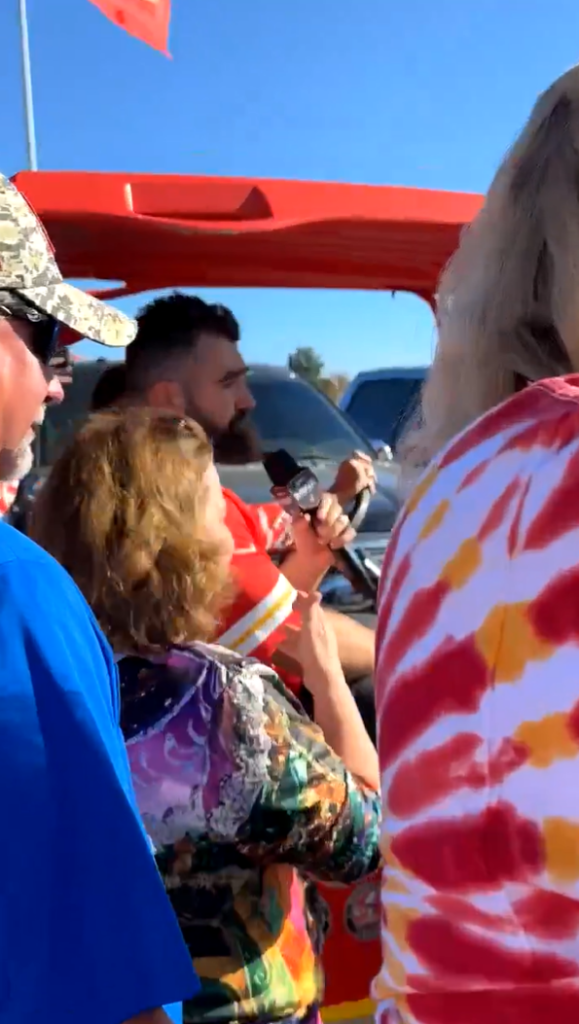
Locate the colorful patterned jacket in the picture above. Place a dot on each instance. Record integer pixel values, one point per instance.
(244, 800)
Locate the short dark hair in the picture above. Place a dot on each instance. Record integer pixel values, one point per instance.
(109, 388)
(170, 326)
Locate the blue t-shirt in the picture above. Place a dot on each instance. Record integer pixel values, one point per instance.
(86, 931)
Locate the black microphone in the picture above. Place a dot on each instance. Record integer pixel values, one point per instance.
(296, 487)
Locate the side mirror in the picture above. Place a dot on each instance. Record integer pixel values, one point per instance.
(383, 451)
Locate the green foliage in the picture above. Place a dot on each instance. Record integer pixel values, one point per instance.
(306, 362)
(308, 365)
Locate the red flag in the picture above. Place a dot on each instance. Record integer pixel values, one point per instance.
(148, 20)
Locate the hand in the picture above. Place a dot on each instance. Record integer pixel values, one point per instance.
(328, 530)
(353, 476)
(317, 647)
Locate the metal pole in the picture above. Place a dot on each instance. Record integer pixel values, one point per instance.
(27, 88)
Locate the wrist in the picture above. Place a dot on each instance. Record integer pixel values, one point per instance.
(319, 554)
(306, 570)
(317, 558)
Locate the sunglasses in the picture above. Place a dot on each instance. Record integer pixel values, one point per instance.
(43, 342)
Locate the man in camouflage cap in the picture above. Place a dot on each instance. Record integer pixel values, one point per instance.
(28, 267)
(35, 303)
(88, 933)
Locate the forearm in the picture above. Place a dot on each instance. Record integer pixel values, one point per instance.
(336, 713)
(356, 644)
(306, 573)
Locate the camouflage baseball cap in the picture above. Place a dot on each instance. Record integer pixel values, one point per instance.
(28, 266)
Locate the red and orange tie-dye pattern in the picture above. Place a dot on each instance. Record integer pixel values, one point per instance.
(478, 715)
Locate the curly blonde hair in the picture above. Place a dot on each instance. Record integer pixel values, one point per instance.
(122, 512)
(508, 300)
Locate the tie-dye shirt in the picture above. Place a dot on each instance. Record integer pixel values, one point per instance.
(243, 800)
(478, 707)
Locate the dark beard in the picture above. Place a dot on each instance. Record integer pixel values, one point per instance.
(238, 445)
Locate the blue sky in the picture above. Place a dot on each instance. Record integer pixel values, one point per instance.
(414, 93)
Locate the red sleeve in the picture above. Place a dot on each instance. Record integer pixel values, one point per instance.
(255, 624)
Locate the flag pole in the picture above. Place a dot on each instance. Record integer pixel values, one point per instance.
(27, 88)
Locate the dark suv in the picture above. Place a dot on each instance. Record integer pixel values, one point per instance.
(289, 414)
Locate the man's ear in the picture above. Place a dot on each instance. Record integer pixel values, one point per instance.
(166, 394)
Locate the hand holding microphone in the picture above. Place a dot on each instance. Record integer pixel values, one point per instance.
(328, 527)
(320, 524)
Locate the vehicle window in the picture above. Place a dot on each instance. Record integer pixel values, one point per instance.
(381, 408)
(289, 414)
(292, 415)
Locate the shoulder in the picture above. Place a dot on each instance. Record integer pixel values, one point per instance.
(211, 707)
(45, 621)
(35, 583)
(16, 548)
(506, 487)
(205, 682)
(35, 586)
(535, 422)
(250, 682)
(536, 428)
(21, 558)
(206, 671)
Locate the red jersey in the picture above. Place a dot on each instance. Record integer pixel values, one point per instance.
(255, 624)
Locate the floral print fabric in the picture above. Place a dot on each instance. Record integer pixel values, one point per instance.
(244, 802)
(478, 720)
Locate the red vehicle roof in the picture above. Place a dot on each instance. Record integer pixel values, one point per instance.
(155, 231)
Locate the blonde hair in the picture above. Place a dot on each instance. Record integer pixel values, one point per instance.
(122, 511)
(508, 300)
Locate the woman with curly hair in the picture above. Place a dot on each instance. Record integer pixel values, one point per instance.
(478, 637)
(244, 797)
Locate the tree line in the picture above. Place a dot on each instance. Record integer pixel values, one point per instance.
(309, 365)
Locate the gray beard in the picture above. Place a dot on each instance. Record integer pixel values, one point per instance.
(15, 464)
